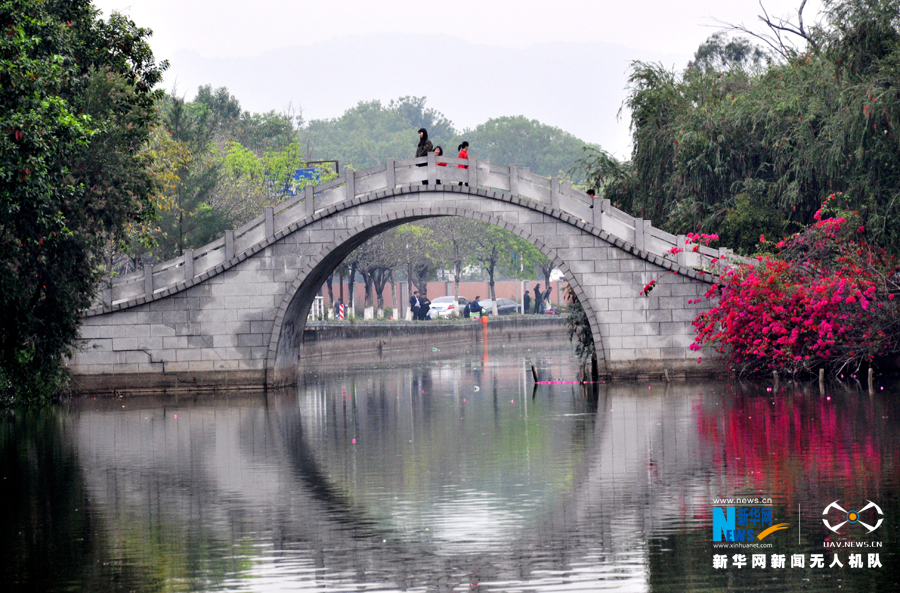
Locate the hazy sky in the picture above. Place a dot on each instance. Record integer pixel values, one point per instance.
(229, 29)
(242, 28)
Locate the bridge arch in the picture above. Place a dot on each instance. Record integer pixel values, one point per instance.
(292, 312)
(231, 313)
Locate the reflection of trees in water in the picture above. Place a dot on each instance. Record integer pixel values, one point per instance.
(51, 537)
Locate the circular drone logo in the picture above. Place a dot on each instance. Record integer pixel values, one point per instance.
(844, 516)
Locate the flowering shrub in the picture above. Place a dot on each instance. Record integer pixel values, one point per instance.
(826, 299)
(692, 242)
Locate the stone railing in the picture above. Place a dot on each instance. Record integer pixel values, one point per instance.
(505, 181)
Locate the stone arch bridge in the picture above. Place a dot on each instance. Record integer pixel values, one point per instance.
(232, 313)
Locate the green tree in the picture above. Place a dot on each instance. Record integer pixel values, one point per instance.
(76, 109)
(752, 151)
(364, 136)
(544, 149)
(414, 111)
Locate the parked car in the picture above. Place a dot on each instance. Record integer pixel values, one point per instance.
(504, 306)
(446, 306)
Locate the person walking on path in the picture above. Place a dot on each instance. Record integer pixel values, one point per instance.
(526, 303)
(425, 146)
(438, 151)
(538, 300)
(463, 154)
(592, 195)
(414, 304)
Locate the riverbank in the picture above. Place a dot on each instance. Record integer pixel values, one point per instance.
(326, 340)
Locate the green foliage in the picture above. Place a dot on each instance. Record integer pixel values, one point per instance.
(368, 134)
(76, 109)
(579, 328)
(544, 149)
(227, 166)
(710, 143)
(414, 111)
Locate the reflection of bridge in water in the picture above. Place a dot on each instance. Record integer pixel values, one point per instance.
(269, 473)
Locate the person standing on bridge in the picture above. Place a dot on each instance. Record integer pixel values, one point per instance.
(425, 146)
(438, 151)
(463, 154)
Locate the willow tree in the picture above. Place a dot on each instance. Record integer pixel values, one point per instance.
(744, 148)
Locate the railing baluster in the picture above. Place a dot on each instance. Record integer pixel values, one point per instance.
(390, 175)
(148, 281)
(554, 193)
(229, 245)
(514, 180)
(188, 265)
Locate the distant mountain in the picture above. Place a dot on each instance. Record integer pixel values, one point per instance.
(578, 87)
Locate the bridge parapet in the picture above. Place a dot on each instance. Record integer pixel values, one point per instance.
(541, 193)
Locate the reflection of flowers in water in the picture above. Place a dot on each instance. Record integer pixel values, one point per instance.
(794, 444)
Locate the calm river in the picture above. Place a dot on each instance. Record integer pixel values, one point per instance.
(449, 473)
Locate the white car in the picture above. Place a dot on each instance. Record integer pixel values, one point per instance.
(446, 306)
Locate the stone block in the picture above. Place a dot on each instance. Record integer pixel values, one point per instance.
(619, 329)
(623, 304)
(676, 328)
(236, 302)
(637, 341)
(102, 345)
(158, 329)
(611, 317)
(579, 266)
(689, 289)
(647, 354)
(200, 341)
(263, 301)
(555, 241)
(261, 327)
(572, 254)
(127, 331)
(622, 354)
(647, 328)
(175, 342)
(621, 278)
(237, 327)
(252, 340)
(607, 266)
(673, 353)
(597, 254)
(140, 343)
(172, 317)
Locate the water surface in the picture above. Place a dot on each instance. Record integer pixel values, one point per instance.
(445, 471)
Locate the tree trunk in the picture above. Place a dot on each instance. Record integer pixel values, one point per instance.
(493, 294)
(328, 282)
(352, 282)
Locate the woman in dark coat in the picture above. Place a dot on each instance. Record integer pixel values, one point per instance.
(425, 146)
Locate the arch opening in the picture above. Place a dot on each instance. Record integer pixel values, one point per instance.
(290, 321)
